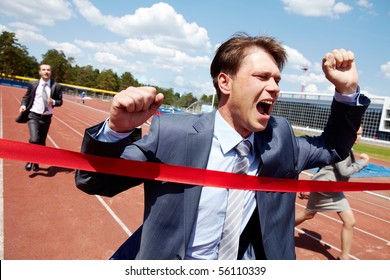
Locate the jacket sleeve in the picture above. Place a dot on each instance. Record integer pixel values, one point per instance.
(347, 168)
(27, 96)
(100, 183)
(343, 124)
(57, 95)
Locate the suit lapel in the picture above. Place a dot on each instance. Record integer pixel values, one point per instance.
(198, 150)
(262, 145)
(34, 87)
(52, 88)
(268, 148)
(199, 143)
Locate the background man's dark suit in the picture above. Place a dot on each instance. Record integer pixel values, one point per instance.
(170, 209)
(56, 94)
(39, 124)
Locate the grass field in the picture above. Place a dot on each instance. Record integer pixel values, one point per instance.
(373, 151)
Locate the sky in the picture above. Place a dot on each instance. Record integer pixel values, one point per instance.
(171, 43)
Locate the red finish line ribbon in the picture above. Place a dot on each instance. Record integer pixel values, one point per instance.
(14, 150)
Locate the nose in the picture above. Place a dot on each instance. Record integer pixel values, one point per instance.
(273, 87)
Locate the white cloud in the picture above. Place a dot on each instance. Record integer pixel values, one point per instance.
(316, 78)
(159, 38)
(138, 67)
(68, 48)
(317, 67)
(24, 26)
(305, 79)
(159, 57)
(295, 59)
(197, 87)
(109, 60)
(179, 61)
(164, 55)
(313, 78)
(204, 88)
(330, 88)
(316, 8)
(159, 23)
(30, 36)
(385, 68)
(112, 47)
(365, 4)
(3, 28)
(311, 88)
(25, 35)
(29, 33)
(340, 8)
(147, 46)
(179, 80)
(40, 12)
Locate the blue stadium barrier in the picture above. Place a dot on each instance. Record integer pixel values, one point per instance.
(13, 83)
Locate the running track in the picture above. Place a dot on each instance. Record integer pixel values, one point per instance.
(46, 217)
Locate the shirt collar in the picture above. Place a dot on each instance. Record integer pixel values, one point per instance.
(228, 138)
(41, 82)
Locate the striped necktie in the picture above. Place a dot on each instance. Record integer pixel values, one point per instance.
(44, 98)
(228, 247)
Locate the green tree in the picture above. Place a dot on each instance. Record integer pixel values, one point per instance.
(84, 76)
(169, 97)
(60, 65)
(108, 80)
(186, 100)
(14, 57)
(206, 99)
(127, 80)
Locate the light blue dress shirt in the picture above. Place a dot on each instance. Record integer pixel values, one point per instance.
(208, 226)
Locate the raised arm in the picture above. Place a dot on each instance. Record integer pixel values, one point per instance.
(132, 107)
(340, 69)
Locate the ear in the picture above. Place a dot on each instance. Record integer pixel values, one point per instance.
(224, 83)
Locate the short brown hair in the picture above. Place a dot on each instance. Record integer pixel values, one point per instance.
(40, 65)
(230, 54)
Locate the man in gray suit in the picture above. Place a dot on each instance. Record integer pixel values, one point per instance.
(186, 221)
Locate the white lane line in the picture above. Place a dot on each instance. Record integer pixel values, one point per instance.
(361, 212)
(378, 195)
(355, 228)
(68, 126)
(384, 208)
(73, 113)
(99, 198)
(116, 218)
(371, 216)
(323, 242)
(368, 192)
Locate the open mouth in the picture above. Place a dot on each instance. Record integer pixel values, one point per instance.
(264, 107)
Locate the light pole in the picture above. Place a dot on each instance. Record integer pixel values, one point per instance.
(304, 68)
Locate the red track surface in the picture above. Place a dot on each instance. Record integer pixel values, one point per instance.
(46, 217)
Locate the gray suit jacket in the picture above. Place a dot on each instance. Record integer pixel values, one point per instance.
(170, 209)
(340, 171)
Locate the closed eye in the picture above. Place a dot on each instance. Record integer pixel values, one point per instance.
(267, 77)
